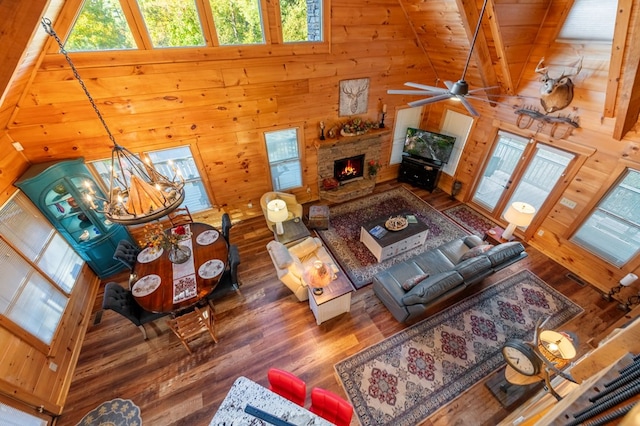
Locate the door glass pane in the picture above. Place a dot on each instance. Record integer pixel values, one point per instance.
(612, 231)
(543, 172)
(497, 174)
(284, 159)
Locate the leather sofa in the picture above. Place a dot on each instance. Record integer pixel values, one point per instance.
(409, 288)
(291, 262)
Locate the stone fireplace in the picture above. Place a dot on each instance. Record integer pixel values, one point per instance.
(367, 147)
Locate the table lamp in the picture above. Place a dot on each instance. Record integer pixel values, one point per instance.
(318, 276)
(625, 281)
(277, 213)
(518, 214)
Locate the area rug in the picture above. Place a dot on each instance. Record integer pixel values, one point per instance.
(343, 236)
(120, 412)
(408, 376)
(469, 219)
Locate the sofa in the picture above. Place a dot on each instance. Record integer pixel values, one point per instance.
(291, 262)
(409, 288)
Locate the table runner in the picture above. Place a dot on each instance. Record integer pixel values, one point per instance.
(184, 274)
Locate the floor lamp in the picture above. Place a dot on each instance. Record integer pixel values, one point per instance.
(518, 214)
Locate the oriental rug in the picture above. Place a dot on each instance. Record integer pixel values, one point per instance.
(469, 219)
(408, 376)
(121, 412)
(343, 236)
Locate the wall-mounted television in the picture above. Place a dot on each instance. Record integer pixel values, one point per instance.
(430, 146)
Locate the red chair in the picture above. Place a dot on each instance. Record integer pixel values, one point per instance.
(287, 385)
(331, 407)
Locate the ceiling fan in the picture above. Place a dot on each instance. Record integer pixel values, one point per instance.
(458, 90)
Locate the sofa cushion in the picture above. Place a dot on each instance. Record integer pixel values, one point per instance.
(304, 248)
(410, 283)
(503, 252)
(454, 249)
(433, 262)
(475, 251)
(430, 288)
(280, 254)
(473, 267)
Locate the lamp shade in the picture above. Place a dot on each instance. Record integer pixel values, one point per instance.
(520, 214)
(560, 344)
(319, 275)
(628, 279)
(277, 211)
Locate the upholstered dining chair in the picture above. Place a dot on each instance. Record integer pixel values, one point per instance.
(226, 226)
(126, 252)
(190, 325)
(229, 279)
(120, 300)
(287, 385)
(180, 216)
(294, 208)
(331, 407)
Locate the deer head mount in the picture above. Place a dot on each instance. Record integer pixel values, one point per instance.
(556, 93)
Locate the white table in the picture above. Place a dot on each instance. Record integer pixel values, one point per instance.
(244, 391)
(334, 300)
(394, 242)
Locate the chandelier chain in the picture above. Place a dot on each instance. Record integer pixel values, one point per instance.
(46, 23)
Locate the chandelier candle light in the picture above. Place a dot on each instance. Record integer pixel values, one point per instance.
(518, 214)
(138, 193)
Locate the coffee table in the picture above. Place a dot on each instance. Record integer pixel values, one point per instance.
(393, 242)
(294, 230)
(334, 300)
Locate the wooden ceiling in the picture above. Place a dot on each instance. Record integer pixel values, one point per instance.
(443, 29)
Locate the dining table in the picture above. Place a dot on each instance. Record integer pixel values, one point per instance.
(161, 285)
(247, 395)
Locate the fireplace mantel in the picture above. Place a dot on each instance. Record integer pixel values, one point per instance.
(330, 150)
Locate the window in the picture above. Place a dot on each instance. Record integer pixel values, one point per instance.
(458, 125)
(589, 21)
(169, 162)
(103, 25)
(284, 159)
(612, 230)
(32, 300)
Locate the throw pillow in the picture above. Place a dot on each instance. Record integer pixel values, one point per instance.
(476, 251)
(304, 248)
(413, 281)
(280, 255)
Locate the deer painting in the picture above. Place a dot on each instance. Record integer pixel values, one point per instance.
(354, 96)
(556, 93)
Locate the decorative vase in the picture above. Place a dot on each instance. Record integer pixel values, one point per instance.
(179, 254)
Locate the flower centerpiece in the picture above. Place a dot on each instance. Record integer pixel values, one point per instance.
(156, 238)
(356, 126)
(374, 166)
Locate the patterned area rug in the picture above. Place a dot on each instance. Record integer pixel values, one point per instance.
(407, 377)
(120, 412)
(469, 219)
(343, 236)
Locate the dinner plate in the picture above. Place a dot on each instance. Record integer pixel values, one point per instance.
(207, 237)
(211, 268)
(150, 254)
(146, 285)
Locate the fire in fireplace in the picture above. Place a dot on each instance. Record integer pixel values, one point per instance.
(347, 169)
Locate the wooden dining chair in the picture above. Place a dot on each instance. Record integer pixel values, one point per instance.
(193, 324)
(180, 216)
(287, 385)
(331, 407)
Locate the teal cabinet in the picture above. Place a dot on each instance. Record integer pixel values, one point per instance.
(58, 189)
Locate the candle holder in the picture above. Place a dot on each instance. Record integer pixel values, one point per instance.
(322, 131)
(381, 125)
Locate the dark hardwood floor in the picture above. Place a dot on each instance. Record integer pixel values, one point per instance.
(265, 326)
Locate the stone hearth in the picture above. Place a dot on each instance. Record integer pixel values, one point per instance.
(330, 150)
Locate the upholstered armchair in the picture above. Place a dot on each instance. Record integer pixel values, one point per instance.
(292, 262)
(294, 208)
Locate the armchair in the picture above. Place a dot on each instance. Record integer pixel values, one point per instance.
(294, 208)
(292, 262)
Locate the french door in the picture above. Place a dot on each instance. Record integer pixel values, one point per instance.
(519, 169)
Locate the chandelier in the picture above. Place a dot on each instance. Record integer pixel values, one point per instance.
(138, 193)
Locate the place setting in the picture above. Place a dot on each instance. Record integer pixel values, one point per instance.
(150, 254)
(207, 237)
(211, 268)
(146, 285)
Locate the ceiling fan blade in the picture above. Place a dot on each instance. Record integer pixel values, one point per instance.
(425, 87)
(449, 84)
(483, 89)
(409, 92)
(468, 106)
(430, 100)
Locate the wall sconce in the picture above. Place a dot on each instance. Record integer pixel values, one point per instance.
(277, 213)
(518, 214)
(625, 281)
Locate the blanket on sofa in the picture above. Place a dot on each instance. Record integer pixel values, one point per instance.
(343, 236)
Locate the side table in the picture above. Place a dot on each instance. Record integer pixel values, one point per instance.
(294, 230)
(494, 236)
(334, 300)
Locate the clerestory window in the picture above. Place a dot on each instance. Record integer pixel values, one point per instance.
(152, 24)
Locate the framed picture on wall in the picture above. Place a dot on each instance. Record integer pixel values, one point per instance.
(354, 96)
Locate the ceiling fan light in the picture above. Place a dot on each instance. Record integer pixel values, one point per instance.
(460, 88)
